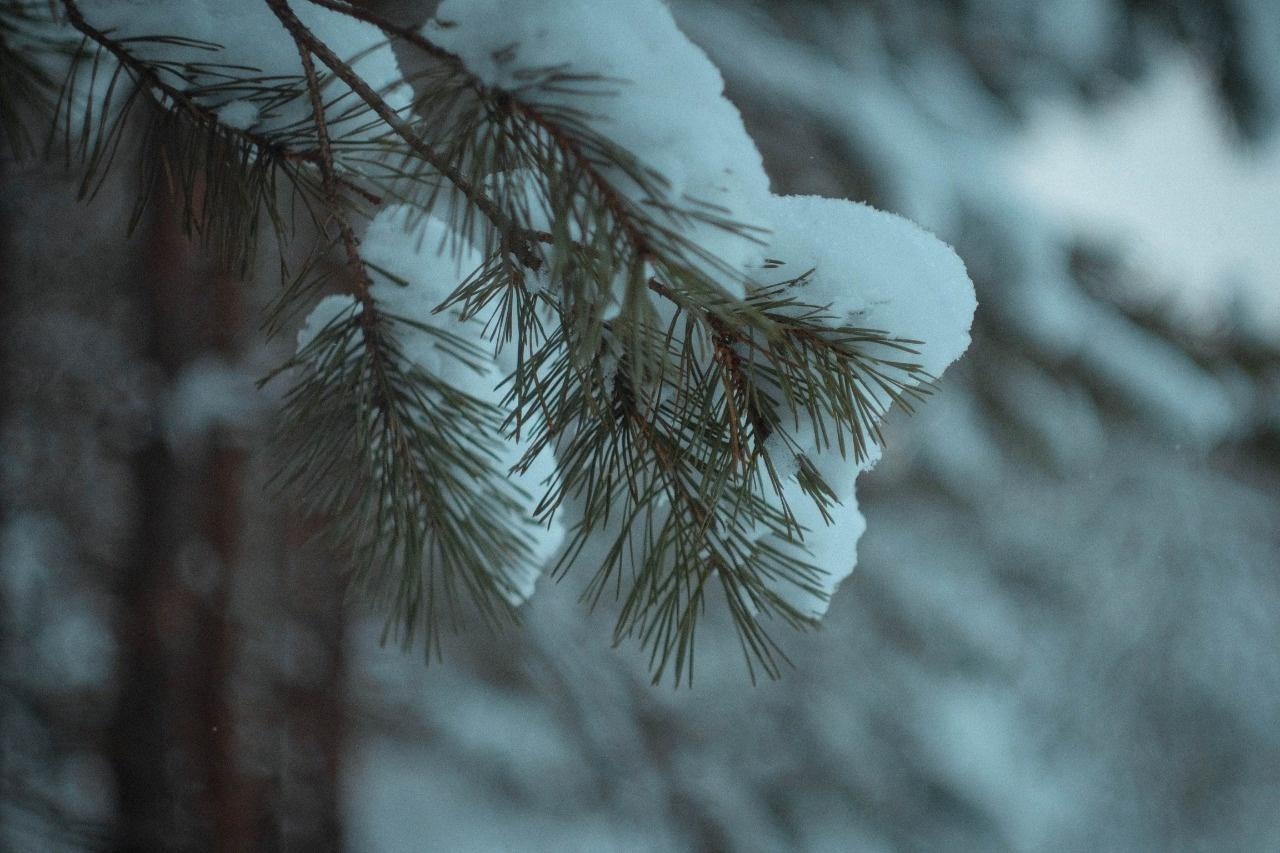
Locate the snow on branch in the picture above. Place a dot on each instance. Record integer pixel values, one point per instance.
(575, 330)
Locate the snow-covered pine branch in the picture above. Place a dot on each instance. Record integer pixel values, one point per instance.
(571, 328)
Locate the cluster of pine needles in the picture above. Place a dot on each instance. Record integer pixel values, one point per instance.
(664, 417)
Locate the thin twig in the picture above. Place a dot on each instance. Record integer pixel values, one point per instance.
(567, 145)
(391, 28)
(350, 243)
(399, 126)
(186, 103)
(361, 283)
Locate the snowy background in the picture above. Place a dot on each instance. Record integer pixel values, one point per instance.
(1062, 631)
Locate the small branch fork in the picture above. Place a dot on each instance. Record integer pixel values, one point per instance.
(146, 74)
(328, 176)
(307, 40)
(518, 242)
(568, 146)
(193, 108)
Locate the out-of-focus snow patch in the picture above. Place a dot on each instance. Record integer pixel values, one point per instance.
(1261, 58)
(1075, 34)
(33, 548)
(975, 737)
(394, 801)
(1158, 174)
(514, 744)
(1059, 418)
(74, 649)
(71, 646)
(210, 394)
(1156, 379)
(86, 787)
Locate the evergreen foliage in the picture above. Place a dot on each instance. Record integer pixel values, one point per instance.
(668, 418)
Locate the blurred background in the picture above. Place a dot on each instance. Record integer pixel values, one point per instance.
(1062, 633)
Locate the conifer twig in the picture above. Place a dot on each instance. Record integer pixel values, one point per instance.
(567, 145)
(350, 243)
(193, 108)
(148, 76)
(308, 40)
(665, 408)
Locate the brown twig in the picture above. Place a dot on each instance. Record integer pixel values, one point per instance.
(566, 143)
(392, 28)
(321, 51)
(361, 283)
(146, 74)
(328, 177)
(724, 338)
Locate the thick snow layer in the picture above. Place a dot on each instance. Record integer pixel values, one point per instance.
(873, 270)
(429, 261)
(249, 35)
(662, 100)
(830, 544)
(72, 647)
(876, 270)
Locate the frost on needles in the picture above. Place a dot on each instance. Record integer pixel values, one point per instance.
(555, 323)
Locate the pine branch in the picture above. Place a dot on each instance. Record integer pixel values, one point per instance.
(329, 177)
(308, 41)
(631, 223)
(664, 416)
(400, 465)
(415, 457)
(149, 77)
(225, 176)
